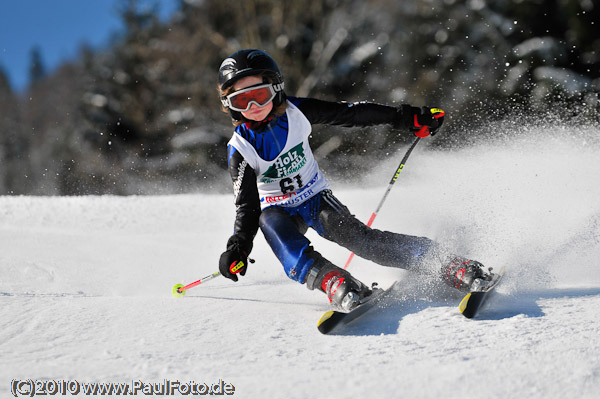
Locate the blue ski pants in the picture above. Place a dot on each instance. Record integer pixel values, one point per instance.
(284, 230)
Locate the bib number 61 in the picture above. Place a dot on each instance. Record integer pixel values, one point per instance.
(289, 184)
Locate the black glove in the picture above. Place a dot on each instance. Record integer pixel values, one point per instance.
(232, 263)
(425, 120)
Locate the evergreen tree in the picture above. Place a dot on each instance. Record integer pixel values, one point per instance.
(37, 69)
(13, 146)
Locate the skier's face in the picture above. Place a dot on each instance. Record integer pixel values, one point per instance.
(255, 113)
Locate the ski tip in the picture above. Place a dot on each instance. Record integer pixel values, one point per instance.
(463, 304)
(177, 291)
(325, 317)
(328, 321)
(471, 303)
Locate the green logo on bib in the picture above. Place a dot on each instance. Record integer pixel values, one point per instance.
(286, 164)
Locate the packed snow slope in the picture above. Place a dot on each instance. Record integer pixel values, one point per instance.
(85, 286)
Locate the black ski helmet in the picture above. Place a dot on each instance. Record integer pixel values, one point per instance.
(250, 62)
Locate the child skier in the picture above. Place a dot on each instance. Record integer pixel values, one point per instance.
(279, 187)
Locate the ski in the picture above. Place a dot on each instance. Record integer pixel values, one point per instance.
(469, 306)
(474, 300)
(334, 319)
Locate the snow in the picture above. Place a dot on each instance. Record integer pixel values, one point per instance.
(85, 286)
(571, 82)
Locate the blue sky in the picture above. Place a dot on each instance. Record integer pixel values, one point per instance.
(58, 28)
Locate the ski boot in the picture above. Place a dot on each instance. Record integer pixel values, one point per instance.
(343, 291)
(466, 275)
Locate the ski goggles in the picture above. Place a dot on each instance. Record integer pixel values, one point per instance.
(242, 100)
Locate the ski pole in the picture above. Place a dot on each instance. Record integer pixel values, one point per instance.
(423, 132)
(420, 134)
(180, 289)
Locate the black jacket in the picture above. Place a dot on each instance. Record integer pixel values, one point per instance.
(317, 112)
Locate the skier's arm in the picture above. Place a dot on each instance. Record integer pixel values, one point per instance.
(247, 201)
(247, 213)
(362, 113)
